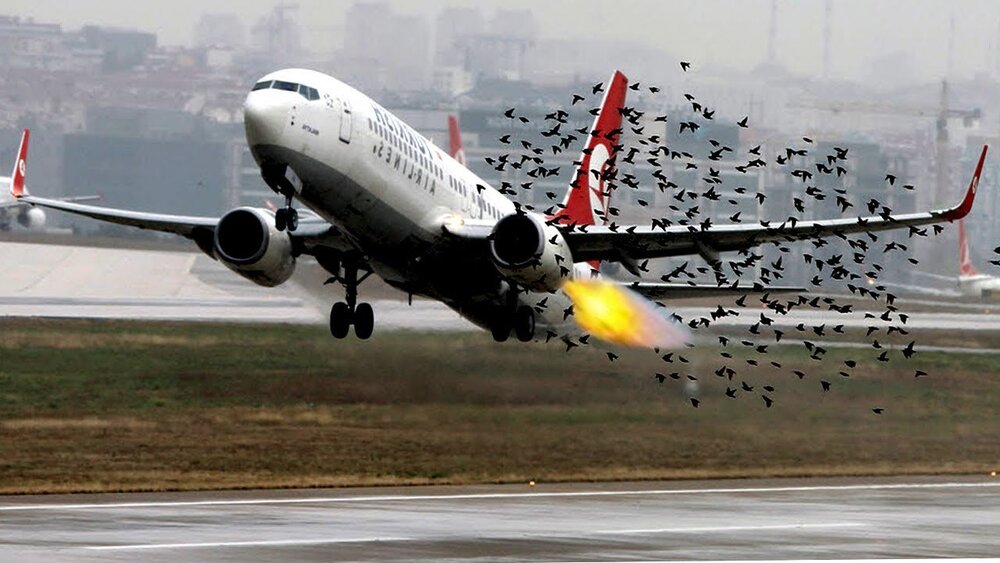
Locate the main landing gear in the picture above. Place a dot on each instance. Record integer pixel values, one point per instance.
(344, 314)
(520, 319)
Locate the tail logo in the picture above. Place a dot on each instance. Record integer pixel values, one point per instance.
(598, 163)
(20, 166)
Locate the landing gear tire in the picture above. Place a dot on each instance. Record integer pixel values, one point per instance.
(364, 321)
(500, 328)
(286, 218)
(524, 324)
(340, 320)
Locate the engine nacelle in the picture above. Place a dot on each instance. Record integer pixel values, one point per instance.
(31, 218)
(248, 243)
(531, 253)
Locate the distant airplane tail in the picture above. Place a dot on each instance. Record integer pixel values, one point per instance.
(588, 197)
(20, 167)
(455, 138)
(965, 267)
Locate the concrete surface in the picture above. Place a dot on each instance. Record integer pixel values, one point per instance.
(735, 520)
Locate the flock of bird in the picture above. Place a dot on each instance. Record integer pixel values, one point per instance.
(853, 266)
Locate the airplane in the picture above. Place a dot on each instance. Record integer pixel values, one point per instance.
(14, 211)
(397, 206)
(455, 140)
(970, 283)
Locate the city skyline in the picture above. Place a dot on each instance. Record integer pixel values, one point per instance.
(908, 40)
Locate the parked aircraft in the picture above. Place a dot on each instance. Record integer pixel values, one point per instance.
(968, 283)
(13, 211)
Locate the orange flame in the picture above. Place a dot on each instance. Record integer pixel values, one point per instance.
(618, 315)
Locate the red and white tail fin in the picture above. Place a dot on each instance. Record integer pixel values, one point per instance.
(965, 267)
(455, 139)
(20, 167)
(587, 199)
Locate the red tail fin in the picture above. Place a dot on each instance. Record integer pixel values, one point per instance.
(588, 197)
(965, 267)
(20, 167)
(455, 137)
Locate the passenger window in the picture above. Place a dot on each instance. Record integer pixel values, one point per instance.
(264, 85)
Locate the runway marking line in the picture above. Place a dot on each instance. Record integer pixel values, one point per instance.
(703, 529)
(266, 543)
(498, 496)
(252, 543)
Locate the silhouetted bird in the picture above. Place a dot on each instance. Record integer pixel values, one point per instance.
(685, 65)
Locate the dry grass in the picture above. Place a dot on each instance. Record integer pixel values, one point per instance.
(178, 406)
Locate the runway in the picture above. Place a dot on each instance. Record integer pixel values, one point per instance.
(708, 520)
(107, 283)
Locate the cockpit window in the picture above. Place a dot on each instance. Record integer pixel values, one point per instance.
(308, 93)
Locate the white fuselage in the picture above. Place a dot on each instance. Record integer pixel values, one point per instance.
(979, 286)
(389, 189)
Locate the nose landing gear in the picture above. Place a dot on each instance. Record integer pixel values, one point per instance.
(287, 217)
(276, 177)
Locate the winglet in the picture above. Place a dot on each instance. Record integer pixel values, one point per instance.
(20, 167)
(965, 207)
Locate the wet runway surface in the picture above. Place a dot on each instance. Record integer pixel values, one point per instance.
(755, 519)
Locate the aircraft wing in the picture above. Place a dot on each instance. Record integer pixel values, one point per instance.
(950, 279)
(656, 291)
(629, 244)
(310, 234)
(79, 198)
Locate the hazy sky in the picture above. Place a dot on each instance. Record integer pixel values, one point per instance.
(726, 32)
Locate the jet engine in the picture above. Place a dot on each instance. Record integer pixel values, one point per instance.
(248, 243)
(32, 218)
(531, 253)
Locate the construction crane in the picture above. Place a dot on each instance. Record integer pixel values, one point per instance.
(940, 114)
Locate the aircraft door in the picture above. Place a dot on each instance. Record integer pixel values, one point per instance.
(345, 121)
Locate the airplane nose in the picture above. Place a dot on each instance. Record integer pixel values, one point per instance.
(264, 118)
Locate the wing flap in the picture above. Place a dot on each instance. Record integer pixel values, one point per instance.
(657, 291)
